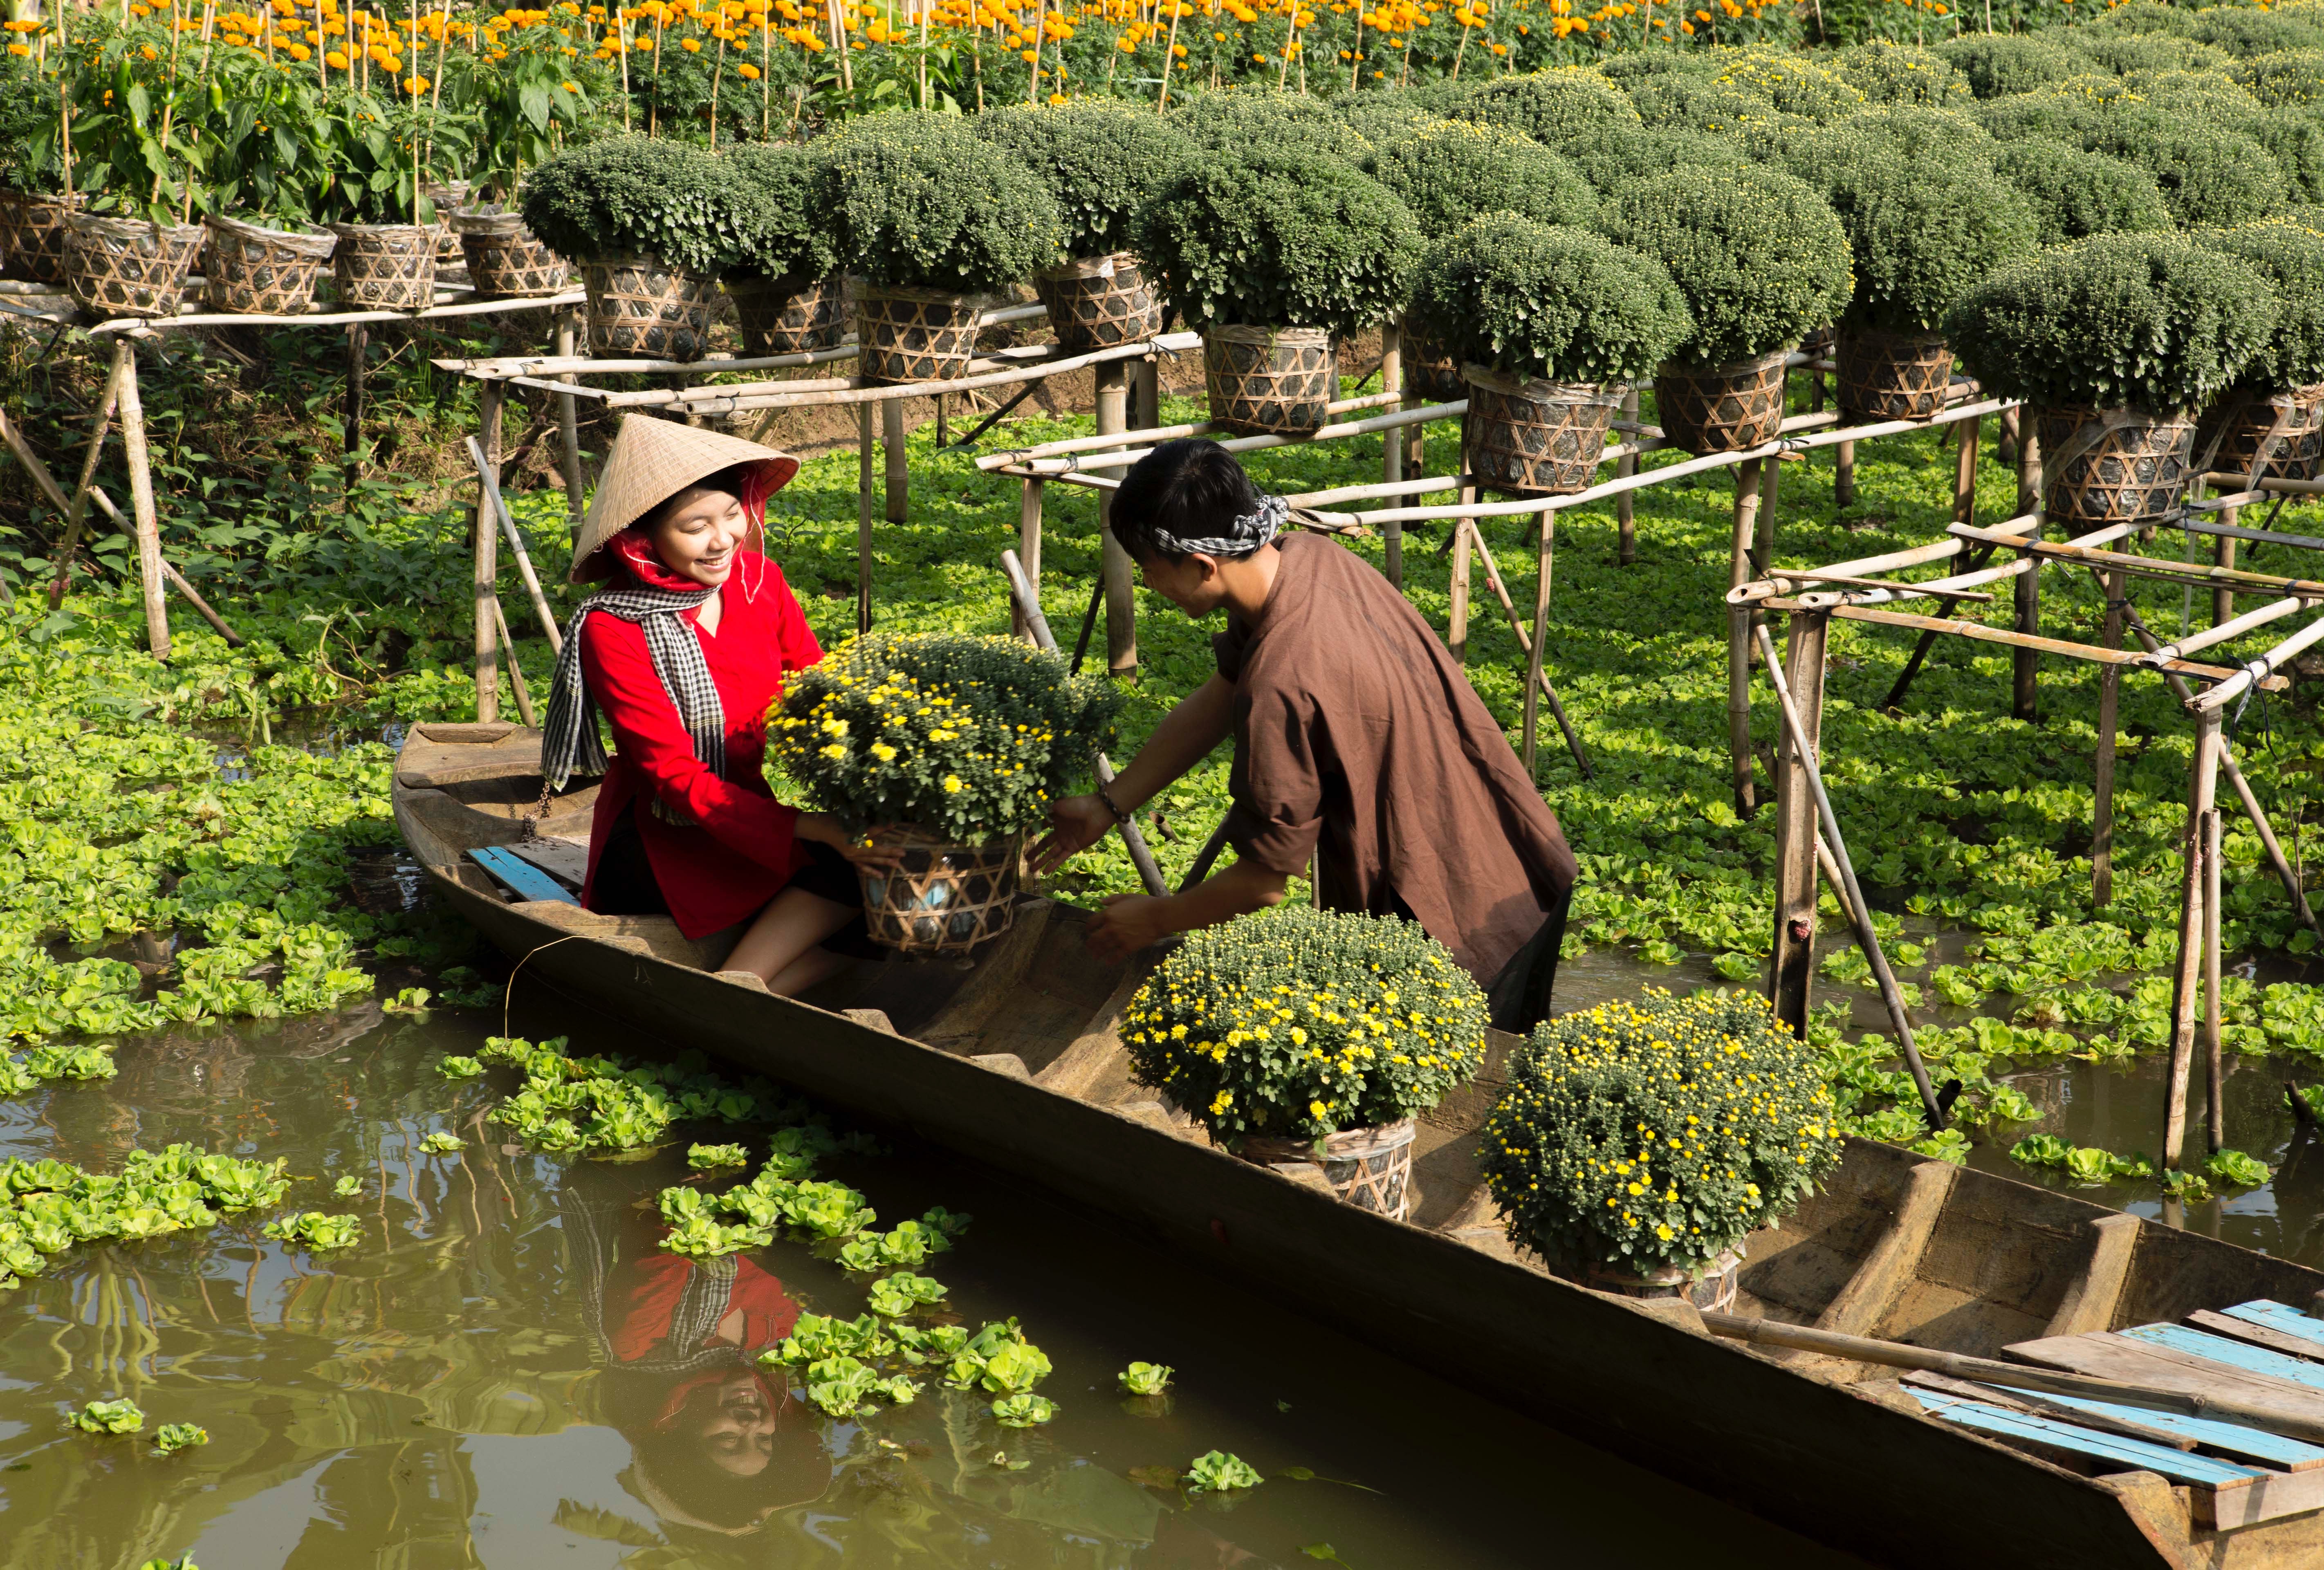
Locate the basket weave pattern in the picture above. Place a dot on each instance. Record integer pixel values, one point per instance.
(1729, 408)
(1270, 381)
(2113, 466)
(913, 335)
(253, 270)
(126, 266)
(448, 195)
(385, 266)
(640, 305)
(942, 899)
(790, 315)
(1431, 375)
(1713, 1292)
(504, 261)
(1892, 375)
(1369, 1169)
(2289, 424)
(1533, 437)
(32, 232)
(1100, 302)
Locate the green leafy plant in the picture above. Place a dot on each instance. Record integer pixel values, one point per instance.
(2251, 33)
(32, 110)
(1922, 235)
(2001, 64)
(796, 192)
(1023, 1410)
(1146, 1379)
(1218, 1471)
(2208, 172)
(1281, 237)
(1452, 172)
(119, 1417)
(442, 1143)
(713, 1158)
(640, 194)
(1660, 1132)
(894, 1296)
(1613, 159)
(2290, 258)
(1229, 124)
(1013, 1367)
(2123, 52)
(348, 1187)
(1557, 303)
(907, 1243)
(315, 1231)
(969, 738)
(1300, 1022)
(2076, 194)
(2235, 1168)
(1559, 108)
(171, 1437)
(456, 1067)
(1099, 159)
(921, 202)
(2146, 321)
(2292, 77)
(1898, 73)
(1761, 259)
(1795, 85)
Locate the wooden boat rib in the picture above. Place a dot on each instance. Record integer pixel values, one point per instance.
(1015, 1060)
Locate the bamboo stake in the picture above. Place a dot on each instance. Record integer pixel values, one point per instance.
(863, 508)
(2192, 928)
(487, 563)
(1625, 525)
(2109, 707)
(490, 481)
(516, 671)
(141, 502)
(77, 510)
(1525, 646)
(2214, 1111)
(1739, 639)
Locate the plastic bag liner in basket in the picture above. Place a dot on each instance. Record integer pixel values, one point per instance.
(1728, 408)
(1369, 1169)
(1892, 375)
(504, 261)
(1431, 375)
(2113, 466)
(254, 270)
(385, 266)
(640, 305)
(128, 266)
(1100, 302)
(942, 899)
(1532, 438)
(2263, 435)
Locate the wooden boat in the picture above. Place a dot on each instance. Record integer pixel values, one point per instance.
(1014, 1060)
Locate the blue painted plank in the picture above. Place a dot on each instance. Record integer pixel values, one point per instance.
(520, 875)
(2131, 1454)
(2256, 1443)
(2251, 1359)
(2281, 1318)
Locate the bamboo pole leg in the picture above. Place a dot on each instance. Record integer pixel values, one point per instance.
(1392, 451)
(864, 504)
(1965, 473)
(141, 502)
(2222, 600)
(1763, 549)
(1535, 654)
(1457, 635)
(2005, 451)
(2109, 711)
(358, 345)
(1792, 967)
(487, 561)
(1739, 638)
(77, 510)
(2214, 1078)
(1843, 475)
(569, 426)
(516, 671)
(2026, 665)
(1625, 525)
(2193, 927)
(1471, 537)
(900, 474)
(1029, 550)
(1146, 388)
(1117, 569)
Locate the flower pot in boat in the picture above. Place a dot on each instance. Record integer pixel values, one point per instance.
(1728, 408)
(942, 898)
(2263, 435)
(1367, 1168)
(790, 315)
(2113, 466)
(127, 266)
(1529, 437)
(1885, 375)
(385, 266)
(640, 305)
(1270, 381)
(1100, 302)
(257, 270)
(913, 335)
(33, 235)
(1713, 1290)
(504, 261)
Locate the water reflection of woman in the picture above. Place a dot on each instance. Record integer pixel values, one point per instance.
(717, 1443)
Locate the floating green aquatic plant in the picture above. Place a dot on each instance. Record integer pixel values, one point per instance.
(442, 1143)
(1023, 1410)
(454, 1068)
(711, 1158)
(315, 1231)
(119, 1416)
(1218, 1471)
(894, 1296)
(171, 1437)
(1146, 1379)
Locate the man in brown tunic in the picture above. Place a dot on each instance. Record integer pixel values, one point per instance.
(1358, 744)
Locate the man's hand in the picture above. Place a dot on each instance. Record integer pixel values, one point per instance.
(1075, 824)
(1126, 923)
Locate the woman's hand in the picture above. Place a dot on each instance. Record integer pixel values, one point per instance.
(1126, 923)
(864, 850)
(1075, 824)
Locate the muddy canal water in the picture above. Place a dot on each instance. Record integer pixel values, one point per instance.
(505, 1372)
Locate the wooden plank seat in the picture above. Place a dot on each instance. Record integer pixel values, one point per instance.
(520, 876)
(2108, 1452)
(2236, 1354)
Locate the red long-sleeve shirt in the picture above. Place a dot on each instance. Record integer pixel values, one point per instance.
(741, 851)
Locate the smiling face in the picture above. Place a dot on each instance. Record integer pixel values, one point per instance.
(735, 1428)
(698, 532)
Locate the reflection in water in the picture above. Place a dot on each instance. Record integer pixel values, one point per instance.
(507, 1372)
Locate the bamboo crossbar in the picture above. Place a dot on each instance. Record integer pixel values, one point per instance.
(512, 366)
(1013, 459)
(143, 327)
(1935, 586)
(2279, 487)
(2260, 671)
(2148, 566)
(2225, 631)
(1887, 591)
(1982, 633)
(1888, 561)
(2257, 536)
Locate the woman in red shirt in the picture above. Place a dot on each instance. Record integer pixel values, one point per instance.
(684, 651)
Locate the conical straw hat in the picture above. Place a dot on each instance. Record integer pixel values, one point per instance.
(653, 460)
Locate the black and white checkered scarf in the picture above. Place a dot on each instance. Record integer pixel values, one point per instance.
(569, 743)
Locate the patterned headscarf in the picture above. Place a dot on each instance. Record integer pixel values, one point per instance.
(1244, 535)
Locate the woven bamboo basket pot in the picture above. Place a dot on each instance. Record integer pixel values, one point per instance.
(640, 305)
(1270, 381)
(1729, 408)
(2267, 436)
(942, 898)
(448, 195)
(504, 261)
(1533, 437)
(2113, 466)
(1431, 374)
(1369, 1169)
(385, 266)
(33, 235)
(913, 335)
(251, 270)
(127, 266)
(1713, 1290)
(790, 315)
(1892, 375)
(1100, 302)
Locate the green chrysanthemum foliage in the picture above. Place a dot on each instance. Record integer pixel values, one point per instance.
(1627, 70)
(2125, 52)
(1299, 1022)
(644, 194)
(2294, 138)
(2294, 77)
(793, 238)
(921, 202)
(1382, 117)
(1791, 84)
(2290, 258)
(2185, 92)
(1618, 157)
(1099, 159)
(1281, 239)
(2044, 116)
(2140, 19)
(1563, 304)
(1923, 232)
(1760, 258)
(1996, 65)
(2250, 34)
(2209, 173)
(2076, 194)
(1901, 73)
(1659, 1132)
(2144, 321)
(1821, 155)
(1450, 172)
(1236, 121)
(967, 737)
(1554, 107)
(1683, 102)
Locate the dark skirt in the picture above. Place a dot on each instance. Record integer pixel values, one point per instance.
(625, 886)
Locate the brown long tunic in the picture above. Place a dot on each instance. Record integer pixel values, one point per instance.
(1359, 741)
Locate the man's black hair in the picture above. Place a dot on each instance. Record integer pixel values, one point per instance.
(1188, 489)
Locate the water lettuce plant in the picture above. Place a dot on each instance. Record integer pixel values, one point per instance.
(1219, 1472)
(1023, 1410)
(1146, 1379)
(457, 1067)
(48, 1206)
(895, 1296)
(119, 1417)
(171, 1437)
(442, 1142)
(714, 1158)
(316, 1231)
